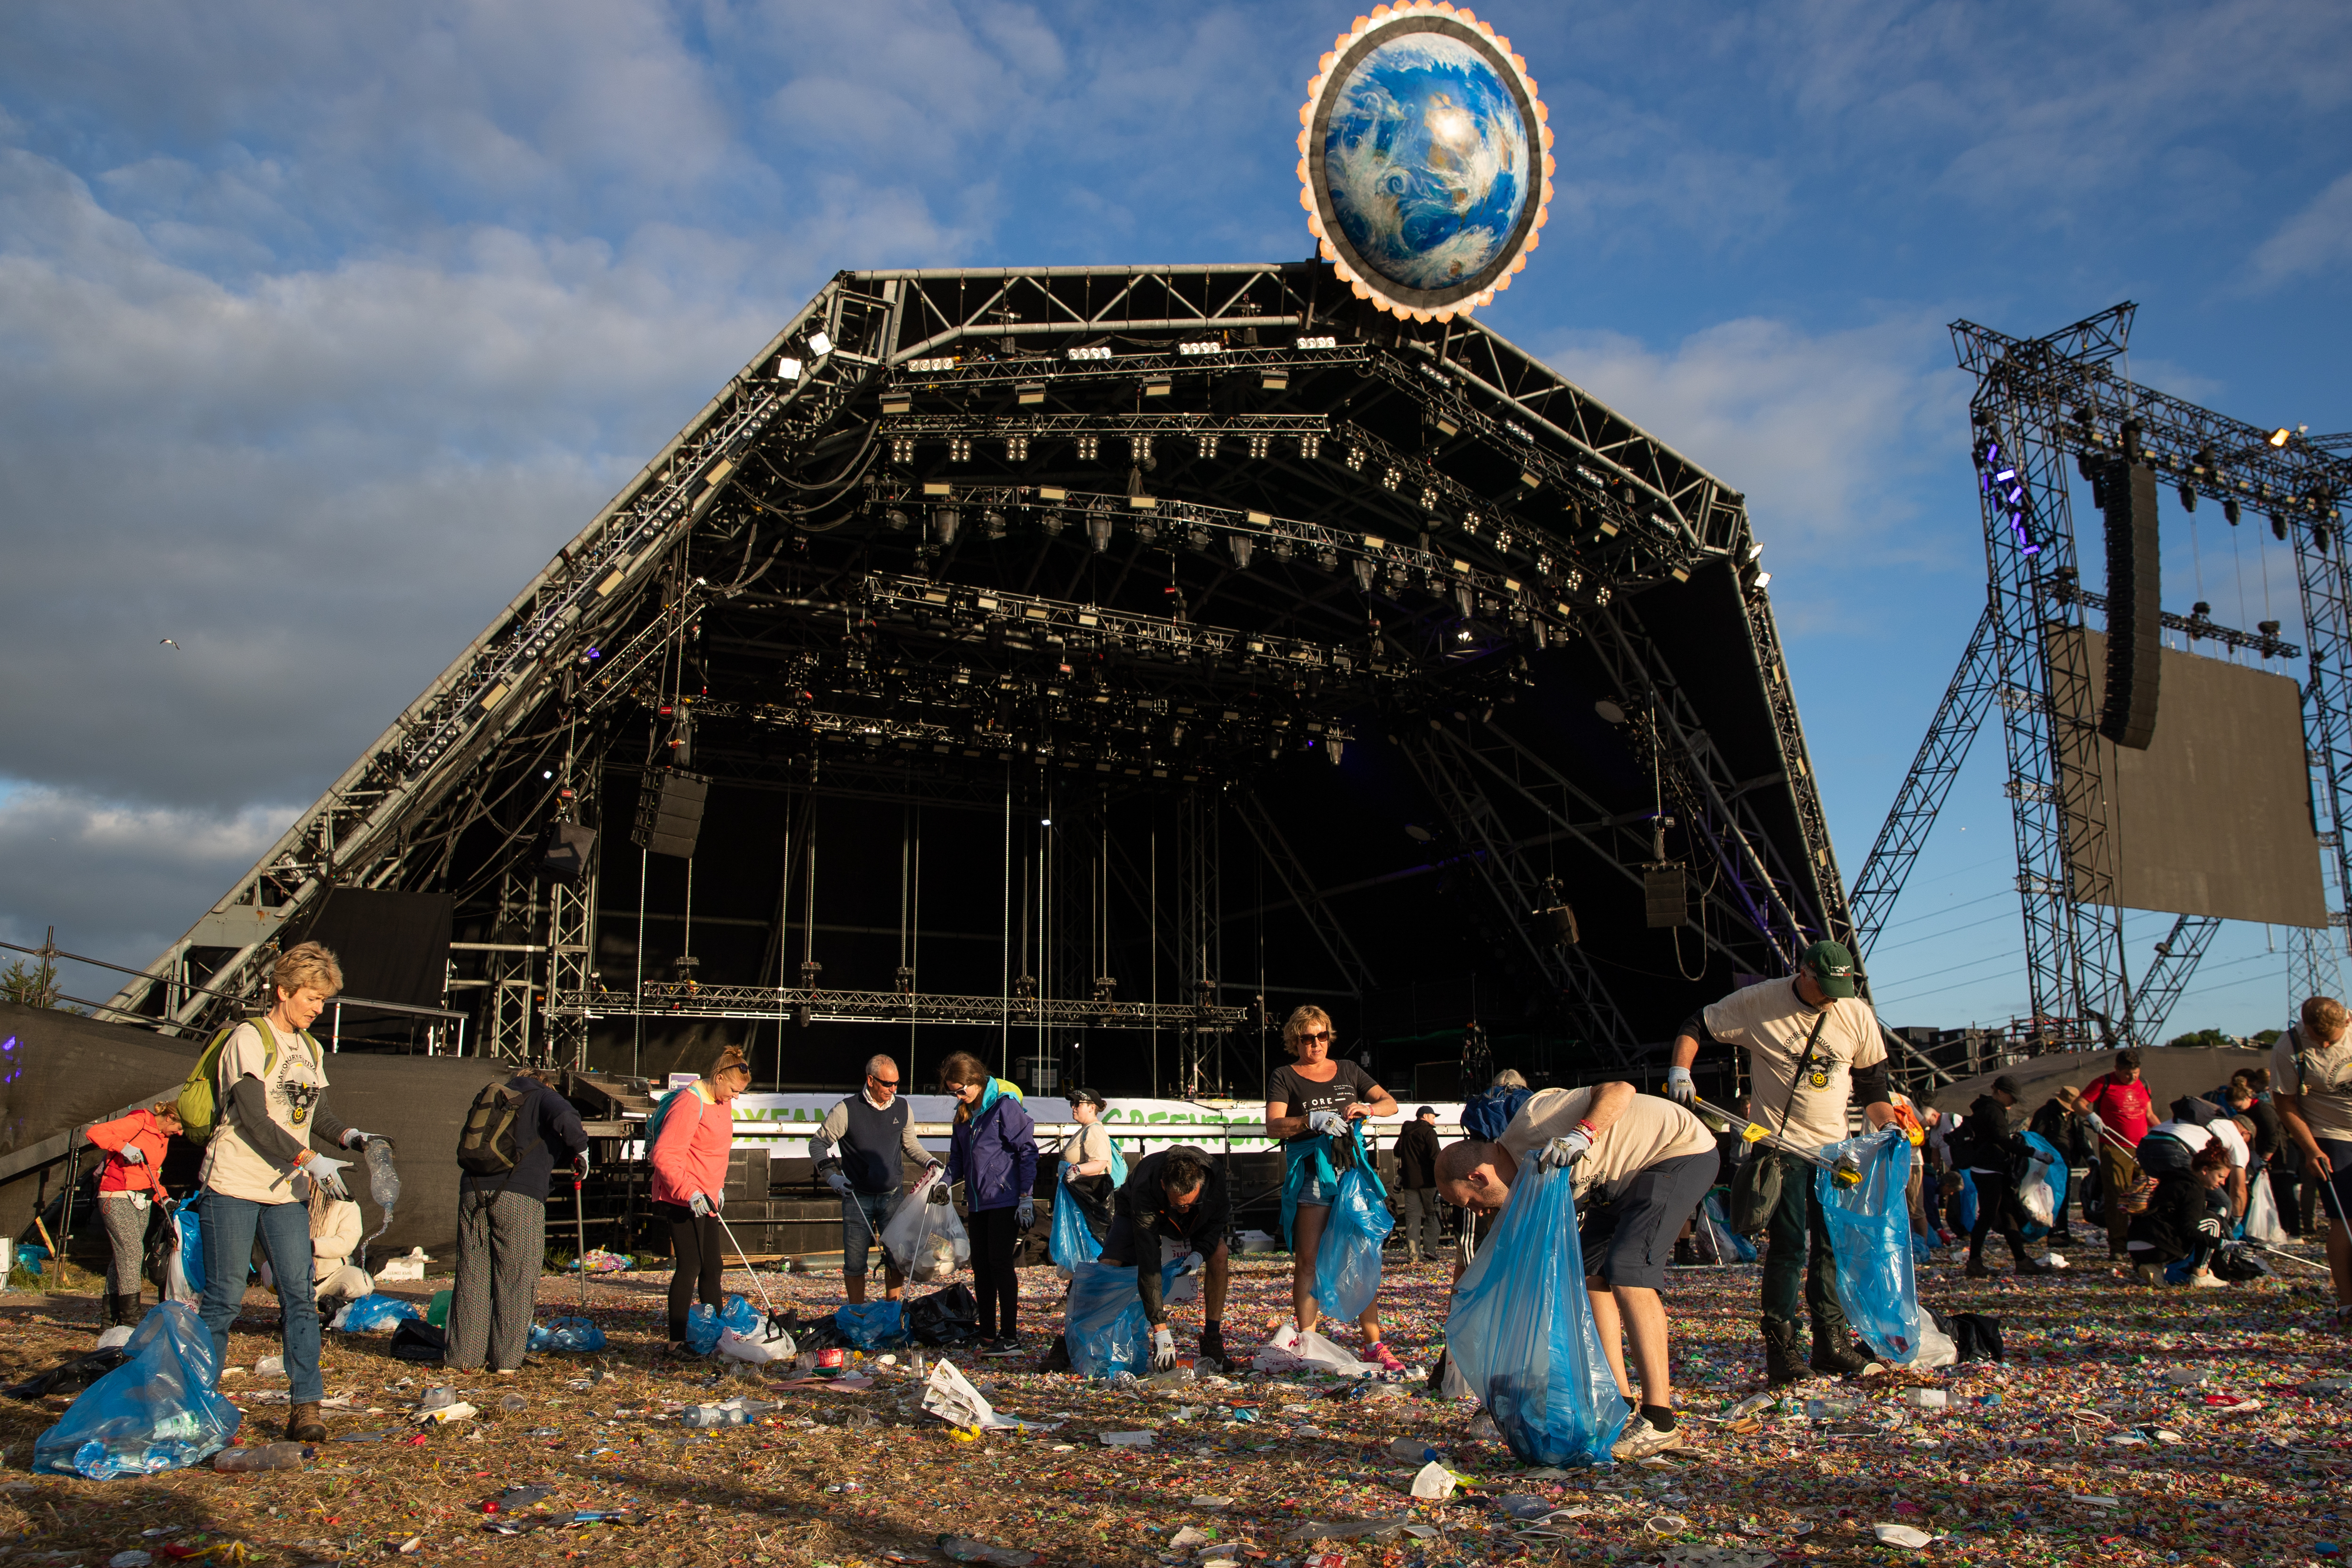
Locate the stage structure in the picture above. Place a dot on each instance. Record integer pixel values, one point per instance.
(1085, 665)
(2100, 773)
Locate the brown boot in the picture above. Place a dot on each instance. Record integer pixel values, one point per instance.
(303, 1424)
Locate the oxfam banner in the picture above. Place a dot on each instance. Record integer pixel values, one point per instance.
(1425, 160)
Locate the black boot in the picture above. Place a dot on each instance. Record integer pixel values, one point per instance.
(1780, 1352)
(113, 1307)
(1848, 1360)
(1212, 1348)
(1685, 1254)
(1057, 1356)
(126, 1309)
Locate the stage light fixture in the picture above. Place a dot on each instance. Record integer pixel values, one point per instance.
(1052, 523)
(1363, 575)
(1139, 447)
(2280, 436)
(2188, 496)
(1754, 550)
(1763, 579)
(1259, 446)
(819, 344)
(788, 368)
(2278, 528)
(1207, 346)
(1327, 558)
(1029, 394)
(1158, 386)
(1016, 449)
(1089, 447)
(1241, 545)
(959, 449)
(896, 520)
(1310, 446)
(2267, 628)
(1208, 445)
(1099, 530)
(1318, 343)
(1091, 352)
(945, 521)
(1282, 550)
(992, 522)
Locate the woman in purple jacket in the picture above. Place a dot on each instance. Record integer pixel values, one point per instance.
(993, 1152)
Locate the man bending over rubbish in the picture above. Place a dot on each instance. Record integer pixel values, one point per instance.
(1639, 1167)
(1175, 1201)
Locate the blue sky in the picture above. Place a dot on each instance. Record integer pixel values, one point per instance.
(321, 326)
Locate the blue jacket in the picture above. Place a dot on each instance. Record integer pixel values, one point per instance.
(994, 1153)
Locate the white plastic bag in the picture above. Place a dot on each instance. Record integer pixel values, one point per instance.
(177, 1287)
(778, 1346)
(2262, 1213)
(924, 1241)
(1290, 1351)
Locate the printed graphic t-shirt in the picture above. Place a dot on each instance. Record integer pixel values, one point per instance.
(2328, 1097)
(293, 1086)
(1771, 1023)
(1303, 1096)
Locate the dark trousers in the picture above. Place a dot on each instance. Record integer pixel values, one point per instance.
(1997, 1209)
(1797, 1243)
(501, 1252)
(698, 1255)
(995, 1232)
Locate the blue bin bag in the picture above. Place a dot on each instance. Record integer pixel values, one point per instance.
(1107, 1332)
(374, 1313)
(567, 1333)
(155, 1412)
(1348, 1257)
(192, 1243)
(1965, 1210)
(875, 1325)
(1869, 1226)
(2050, 1167)
(1521, 1331)
(742, 1316)
(1728, 1241)
(1073, 1243)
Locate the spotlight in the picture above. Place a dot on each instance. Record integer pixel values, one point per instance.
(1318, 343)
(1044, 821)
(945, 521)
(819, 344)
(1052, 523)
(992, 522)
(788, 368)
(1754, 550)
(547, 773)
(2278, 526)
(1241, 545)
(896, 520)
(1363, 575)
(1092, 351)
(1763, 579)
(2280, 436)
(2267, 628)
(1099, 530)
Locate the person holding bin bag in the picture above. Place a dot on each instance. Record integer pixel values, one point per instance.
(687, 1140)
(992, 1150)
(131, 1185)
(269, 1088)
(1308, 1105)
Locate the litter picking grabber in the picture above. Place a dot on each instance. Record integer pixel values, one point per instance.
(746, 1256)
(1845, 1170)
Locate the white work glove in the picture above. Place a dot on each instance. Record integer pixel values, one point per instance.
(1163, 1349)
(353, 1138)
(2097, 1127)
(1679, 1087)
(328, 1174)
(1562, 1153)
(702, 1205)
(2208, 1226)
(579, 1165)
(1328, 1123)
(1069, 1172)
(132, 1155)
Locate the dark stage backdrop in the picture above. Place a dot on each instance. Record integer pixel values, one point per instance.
(2214, 818)
(394, 946)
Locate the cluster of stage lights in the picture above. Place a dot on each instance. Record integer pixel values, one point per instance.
(2002, 482)
(790, 366)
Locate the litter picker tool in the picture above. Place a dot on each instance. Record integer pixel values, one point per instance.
(579, 1223)
(746, 1256)
(1845, 1170)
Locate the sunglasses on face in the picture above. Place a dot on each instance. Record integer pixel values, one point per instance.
(1310, 1035)
(882, 1082)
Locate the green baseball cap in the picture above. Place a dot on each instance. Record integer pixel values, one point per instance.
(1833, 968)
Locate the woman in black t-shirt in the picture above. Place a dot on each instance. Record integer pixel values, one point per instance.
(1308, 1105)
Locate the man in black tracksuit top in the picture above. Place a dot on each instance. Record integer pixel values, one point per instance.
(1174, 1202)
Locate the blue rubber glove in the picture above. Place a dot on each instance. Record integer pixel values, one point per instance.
(1025, 1211)
(1679, 1087)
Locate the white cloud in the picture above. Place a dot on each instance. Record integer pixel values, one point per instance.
(2316, 239)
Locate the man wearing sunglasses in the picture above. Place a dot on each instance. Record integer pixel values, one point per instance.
(862, 1151)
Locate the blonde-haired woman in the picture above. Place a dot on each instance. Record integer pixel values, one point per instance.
(688, 1155)
(270, 1089)
(1308, 1105)
(131, 1182)
(992, 1150)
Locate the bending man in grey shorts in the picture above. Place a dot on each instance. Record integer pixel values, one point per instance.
(1641, 1164)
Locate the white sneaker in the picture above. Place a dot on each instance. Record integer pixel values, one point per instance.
(2204, 1279)
(1642, 1440)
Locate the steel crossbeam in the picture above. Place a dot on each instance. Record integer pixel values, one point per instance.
(785, 1004)
(2195, 628)
(2176, 961)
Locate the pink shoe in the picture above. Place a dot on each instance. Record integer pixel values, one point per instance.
(1380, 1355)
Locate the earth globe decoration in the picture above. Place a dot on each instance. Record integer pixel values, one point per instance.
(1425, 160)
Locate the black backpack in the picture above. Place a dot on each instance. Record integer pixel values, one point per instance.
(490, 1143)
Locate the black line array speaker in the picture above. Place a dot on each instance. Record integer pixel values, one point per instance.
(567, 851)
(669, 811)
(2135, 580)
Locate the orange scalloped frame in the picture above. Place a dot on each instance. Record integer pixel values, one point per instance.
(1383, 18)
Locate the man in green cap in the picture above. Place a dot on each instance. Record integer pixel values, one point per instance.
(1810, 1042)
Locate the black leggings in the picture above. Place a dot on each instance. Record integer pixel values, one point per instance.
(697, 1247)
(1997, 1208)
(995, 1233)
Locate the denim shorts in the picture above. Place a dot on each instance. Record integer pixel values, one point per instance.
(1316, 1193)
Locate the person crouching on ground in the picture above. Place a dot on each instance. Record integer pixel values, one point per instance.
(1639, 1167)
(992, 1150)
(270, 1088)
(1308, 1105)
(336, 1224)
(1174, 1203)
(2186, 1217)
(689, 1160)
(502, 1229)
(132, 1181)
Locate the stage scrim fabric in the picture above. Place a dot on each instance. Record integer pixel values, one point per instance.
(394, 946)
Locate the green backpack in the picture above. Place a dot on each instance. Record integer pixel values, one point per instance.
(199, 1093)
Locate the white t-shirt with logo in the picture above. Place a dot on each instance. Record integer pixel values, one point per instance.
(2327, 1098)
(2195, 1138)
(293, 1085)
(1771, 1023)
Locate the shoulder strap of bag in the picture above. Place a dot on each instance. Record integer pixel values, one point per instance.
(1804, 1062)
(228, 1105)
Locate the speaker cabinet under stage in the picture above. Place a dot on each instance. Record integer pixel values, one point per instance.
(669, 811)
(2135, 584)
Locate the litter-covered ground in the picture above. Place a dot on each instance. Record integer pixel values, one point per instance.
(2129, 1426)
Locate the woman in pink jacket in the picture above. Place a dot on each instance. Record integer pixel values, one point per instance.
(133, 1179)
(689, 1159)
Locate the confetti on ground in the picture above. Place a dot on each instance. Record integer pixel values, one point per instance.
(2090, 1444)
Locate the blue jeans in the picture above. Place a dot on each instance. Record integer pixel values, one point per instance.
(228, 1227)
(862, 1216)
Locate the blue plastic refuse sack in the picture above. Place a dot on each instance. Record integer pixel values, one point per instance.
(1521, 1331)
(155, 1412)
(2042, 1208)
(1348, 1257)
(1869, 1226)
(1729, 1245)
(1965, 1210)
(875, 1325)
(192, 1243)
(702, 1327)
(740, 1315)
(372, 1313)
(1107, 1332)
(1073, 1243)
(568, 1333)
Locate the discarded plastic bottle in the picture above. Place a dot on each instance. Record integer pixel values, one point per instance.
(1830, 1409)
(514, 1402)
(270, 1457)
(1412, 1451)
(1753, 1404)
(715, 1415)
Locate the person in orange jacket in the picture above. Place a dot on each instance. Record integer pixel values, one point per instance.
(132, 1181)
(689, 1160)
